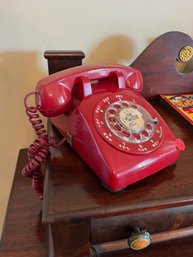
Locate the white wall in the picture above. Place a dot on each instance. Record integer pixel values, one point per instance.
(108, 31)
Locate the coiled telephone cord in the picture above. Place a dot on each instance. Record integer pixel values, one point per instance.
(38, 150)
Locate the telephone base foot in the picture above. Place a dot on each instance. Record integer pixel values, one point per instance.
(172, 164)
(111, 190)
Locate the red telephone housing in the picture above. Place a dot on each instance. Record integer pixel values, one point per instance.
(108, 123)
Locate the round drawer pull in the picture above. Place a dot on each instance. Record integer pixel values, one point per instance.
(139, 240)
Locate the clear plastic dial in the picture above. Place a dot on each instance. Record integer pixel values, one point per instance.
(130, 121)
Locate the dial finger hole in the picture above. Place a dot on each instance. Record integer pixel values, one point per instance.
(136, 136)
(126, 133)
(124, 104)
(112, 111)
(134, 106)
(149, 127)
(117, 106)
(145, 133)
(117, 127)
(111, 119)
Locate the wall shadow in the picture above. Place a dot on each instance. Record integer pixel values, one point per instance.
(116, 49)
(19, 73)
(22, 67)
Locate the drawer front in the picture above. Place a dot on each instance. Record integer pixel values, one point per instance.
(155, 221)
(174, 248)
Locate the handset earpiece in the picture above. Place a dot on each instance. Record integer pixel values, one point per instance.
(53, 99)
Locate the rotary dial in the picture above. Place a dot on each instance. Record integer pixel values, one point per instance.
(123, 123)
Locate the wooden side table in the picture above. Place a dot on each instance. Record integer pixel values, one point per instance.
(25, 235)
(23, 232)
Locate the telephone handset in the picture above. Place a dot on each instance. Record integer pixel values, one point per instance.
(100, 111)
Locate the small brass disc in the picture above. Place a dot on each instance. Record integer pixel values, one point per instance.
(139, 240)
(140, 244)
(186, 53)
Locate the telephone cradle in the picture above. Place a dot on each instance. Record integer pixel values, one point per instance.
(100, 112)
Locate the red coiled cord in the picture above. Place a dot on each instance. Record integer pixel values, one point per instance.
(38, 150)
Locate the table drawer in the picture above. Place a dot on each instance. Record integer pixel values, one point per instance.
(155, 221)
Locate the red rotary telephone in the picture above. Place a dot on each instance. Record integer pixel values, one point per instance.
(100, 111)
